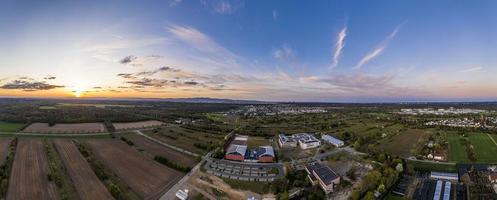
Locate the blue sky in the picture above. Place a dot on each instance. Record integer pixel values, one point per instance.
(356, 51)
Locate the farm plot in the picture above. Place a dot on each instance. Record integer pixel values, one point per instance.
(402, 143)
(29, 175)
(65, 128)
(155, 149)
(191, 140)
(137, 125)
(486, 149)
(86, 182)
(4, 148)
(143, 175)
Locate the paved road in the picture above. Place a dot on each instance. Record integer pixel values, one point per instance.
(232, 164)
(167, 145)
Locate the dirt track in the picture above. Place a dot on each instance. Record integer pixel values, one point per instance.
(29, 179)
(143, 175)
(85, 181)
(154, 149)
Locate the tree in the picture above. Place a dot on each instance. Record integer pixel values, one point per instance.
(369, 196)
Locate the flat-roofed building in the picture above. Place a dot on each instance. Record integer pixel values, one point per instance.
(323, 175)
(444, 176)
(332, 140)
(286, 141)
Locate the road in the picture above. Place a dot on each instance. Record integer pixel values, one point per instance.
(171, 194)
(167, 145)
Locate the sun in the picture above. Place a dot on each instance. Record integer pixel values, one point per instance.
(78, 93)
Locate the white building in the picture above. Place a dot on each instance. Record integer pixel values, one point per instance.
(286, 141)
(334, 141)
(303, 140)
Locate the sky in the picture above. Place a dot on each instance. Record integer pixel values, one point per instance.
(323, 51)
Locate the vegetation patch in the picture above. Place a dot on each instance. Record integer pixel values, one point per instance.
(170, 164)
(58, 174)
(11, 127)
(6, 167)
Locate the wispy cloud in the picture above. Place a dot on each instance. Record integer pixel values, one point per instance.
(472, 69)
(275, 15)
(379, 49)
(175, 2)
(29, 85)
(224, 7)
(339, 45)
(283, 53)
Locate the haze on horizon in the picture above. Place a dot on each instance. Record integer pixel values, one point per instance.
(262, 50)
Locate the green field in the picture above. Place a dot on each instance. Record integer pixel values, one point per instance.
(432, 166)
(486, 149)
(10, 127)
(457, 151)
(402, 143)
(258, 141)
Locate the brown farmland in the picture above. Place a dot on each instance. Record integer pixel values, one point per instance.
(143, 175)
(28, 178)
(155, 149)
(136, 125)
(65, 128)
(86, 182)
(4, 149)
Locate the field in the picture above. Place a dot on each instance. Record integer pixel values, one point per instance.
(154, 149)
(4, 148)
(29, 178)
(457, 151)
(258, 141)
(10, 127)
(86, 182)
(402, 143)
(431, 166)
(191, 140)
(65, 128)
(143, 175)
(136, 125)
(486, 150)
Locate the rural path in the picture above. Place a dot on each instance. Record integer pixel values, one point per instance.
(491, 138)
(171, 194)
(55, 134)
(167, 145)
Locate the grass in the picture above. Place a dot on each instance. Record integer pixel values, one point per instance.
(430, 166)
(58, 174)
(10, 127)
(457, 150)
(402, 143)
(486, 150)
(258, 141)
(257, 187)
(391, 196)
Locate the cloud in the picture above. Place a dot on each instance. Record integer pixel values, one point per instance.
(284, 53)
(162, 69)
(223, 7)
(339, 45)
(50, 77)
(29, 85)
(128, 59)
(175, 2)
(275, 15)
(379, 49)
(472, 69)
(212, 53)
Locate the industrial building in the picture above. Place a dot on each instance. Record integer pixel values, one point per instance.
(445, 176)
(322, 175)
(332, 140)
(286, 141)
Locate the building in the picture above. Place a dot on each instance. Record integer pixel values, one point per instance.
(236, 152)
(182, 194)
(492, 177)
(322, 175)
(265, 154)
(332, 140)
(307, 141)
(286, 141)
(444, 176)
(303, 140)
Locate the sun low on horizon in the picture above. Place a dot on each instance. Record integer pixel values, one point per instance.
(352, 51)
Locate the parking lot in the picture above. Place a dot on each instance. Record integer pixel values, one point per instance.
(265, 172)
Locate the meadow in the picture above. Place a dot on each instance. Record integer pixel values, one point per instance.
(10, 127)
(484, 147)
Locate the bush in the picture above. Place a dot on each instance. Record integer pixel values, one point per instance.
(170, 164)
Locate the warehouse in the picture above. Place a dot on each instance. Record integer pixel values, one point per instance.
(332, 140)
